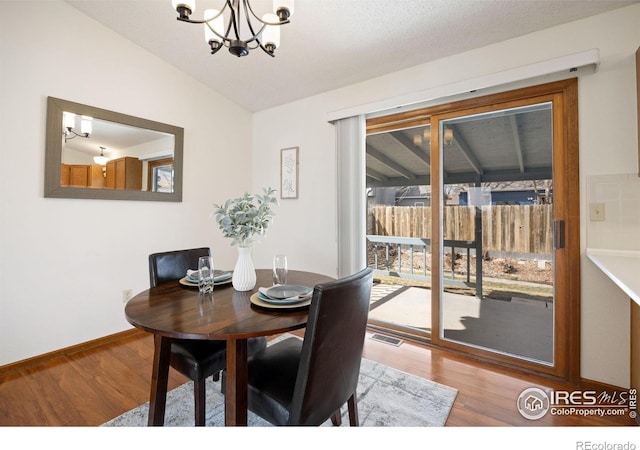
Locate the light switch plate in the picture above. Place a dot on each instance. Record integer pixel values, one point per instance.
(596, 212)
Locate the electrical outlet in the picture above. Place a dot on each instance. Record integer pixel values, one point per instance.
(126, 295)
(596, 212)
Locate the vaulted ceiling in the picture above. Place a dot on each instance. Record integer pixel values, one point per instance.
(332, 43)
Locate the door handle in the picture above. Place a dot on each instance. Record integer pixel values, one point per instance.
(558, 234)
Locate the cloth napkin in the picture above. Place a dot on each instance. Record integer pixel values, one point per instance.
(218, 275)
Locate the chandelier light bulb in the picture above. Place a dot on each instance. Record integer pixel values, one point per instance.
(184, 7)
(69, 120)
(283, 7)
(86, 126)
(271, 34)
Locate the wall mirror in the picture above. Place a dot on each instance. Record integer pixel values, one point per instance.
(93, 153)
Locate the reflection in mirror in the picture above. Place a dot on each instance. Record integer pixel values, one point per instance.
(95, 153)
(161, 175)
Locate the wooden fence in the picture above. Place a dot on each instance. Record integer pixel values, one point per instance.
(505, 228)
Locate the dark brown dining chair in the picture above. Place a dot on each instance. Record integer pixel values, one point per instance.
(196, 359)
(306, 382)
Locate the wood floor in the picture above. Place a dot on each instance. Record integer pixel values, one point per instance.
(89, 386)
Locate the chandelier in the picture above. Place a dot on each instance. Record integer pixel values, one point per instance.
(225, 31)
(69, 123)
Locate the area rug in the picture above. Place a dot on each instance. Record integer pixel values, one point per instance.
(386, 398)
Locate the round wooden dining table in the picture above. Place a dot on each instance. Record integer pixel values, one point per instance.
(172, 310)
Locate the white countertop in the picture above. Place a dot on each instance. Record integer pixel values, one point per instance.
(622, 266)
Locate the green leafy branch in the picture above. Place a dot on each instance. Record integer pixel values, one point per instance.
(244, 218)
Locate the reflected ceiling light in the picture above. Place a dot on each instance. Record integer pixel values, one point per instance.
(448, 136)
(102, 160)
(217, 36)
(417, 140)
(69, 123)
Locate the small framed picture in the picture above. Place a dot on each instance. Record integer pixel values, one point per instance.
(289, 172)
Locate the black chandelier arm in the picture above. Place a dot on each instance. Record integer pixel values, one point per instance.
(258, 35)
(70, 130)
(267, 51)
(185, 18)
(225, 38)
(226, 41)
(232, 22)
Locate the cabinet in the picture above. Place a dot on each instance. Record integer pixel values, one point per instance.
(96, 176)
(64, 175)
(124, 173)
(82, 175)
(78, 175)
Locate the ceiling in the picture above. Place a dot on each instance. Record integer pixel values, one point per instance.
(332, 43)
(502, 146)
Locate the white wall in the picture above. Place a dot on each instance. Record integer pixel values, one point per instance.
(608, 144)
(64, 262)
(305, 228)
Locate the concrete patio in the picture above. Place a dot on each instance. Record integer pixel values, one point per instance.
(520, 327)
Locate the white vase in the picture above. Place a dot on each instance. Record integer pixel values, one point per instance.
(244, 273)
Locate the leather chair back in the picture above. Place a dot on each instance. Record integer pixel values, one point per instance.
(332, 348)
(173, 265)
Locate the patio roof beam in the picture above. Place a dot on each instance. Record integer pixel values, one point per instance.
(376, 175)
(406, 173)
(517, 145)
(543, 173)
(466, 150)
(411, 147)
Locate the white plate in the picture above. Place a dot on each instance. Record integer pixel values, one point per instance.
(258, 302)
(287, 291)
(185, 282)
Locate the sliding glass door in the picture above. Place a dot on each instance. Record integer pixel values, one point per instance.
(473, 210)
(399, 227)
(508, 228)
(497, 291)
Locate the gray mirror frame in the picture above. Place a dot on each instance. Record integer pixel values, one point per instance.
(53, 154)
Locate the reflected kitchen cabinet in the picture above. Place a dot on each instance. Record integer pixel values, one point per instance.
(124, 173)
(81, 175)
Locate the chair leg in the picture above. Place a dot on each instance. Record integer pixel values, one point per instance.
(199, 399)
(352, 404)
(216, 376)
(336, 418)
